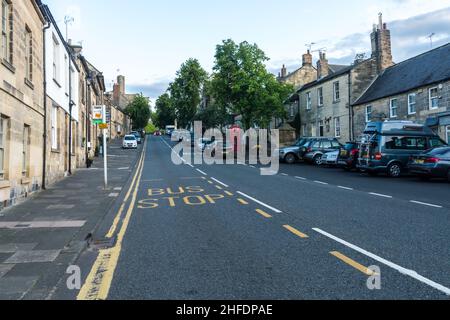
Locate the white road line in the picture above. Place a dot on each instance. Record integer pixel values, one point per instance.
(259, 202)
(346, 188)
(285, 174)
(190, 165)
(219, 182)
(321, 182)
(380, 195)
(201, 172)
(253, 167)
(411, 273)
(426, 204)
(301, 178)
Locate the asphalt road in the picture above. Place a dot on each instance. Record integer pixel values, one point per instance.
(226, 232)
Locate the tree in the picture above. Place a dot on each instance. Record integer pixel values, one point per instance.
(165, 112)
(139, 112)
(242, 85)
(185, 91)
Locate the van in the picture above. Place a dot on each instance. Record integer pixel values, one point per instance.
(386, 147)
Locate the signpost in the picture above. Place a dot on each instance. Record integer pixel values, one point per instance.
(99, 118)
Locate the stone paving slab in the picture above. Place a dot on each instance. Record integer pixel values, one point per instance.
(36, 256)
(14, 288)
(14, 247)
(5, 268)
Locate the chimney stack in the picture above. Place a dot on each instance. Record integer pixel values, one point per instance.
(121, 83)
(381, 45)
(283, 71)
(307, 59)
(322, 66)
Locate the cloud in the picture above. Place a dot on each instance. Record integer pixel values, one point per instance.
(409, 38)
(152, 90)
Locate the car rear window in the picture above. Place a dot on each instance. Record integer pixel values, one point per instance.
(406, 143)
(445, 152)
(130, 138)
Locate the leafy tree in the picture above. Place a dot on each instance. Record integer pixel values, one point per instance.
(139, 111)
(165, 112)
(241, 84)
(185, 91)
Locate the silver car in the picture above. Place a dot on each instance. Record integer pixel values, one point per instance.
(330, 158)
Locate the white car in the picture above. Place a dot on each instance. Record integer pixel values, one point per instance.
(330, 158)
(130, 142)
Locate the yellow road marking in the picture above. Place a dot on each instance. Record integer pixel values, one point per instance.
(116, 221)
(229, 193)
(242, 201)
(219, 187)
(352, 263)
(296, 232)
(210, 182)
(263, 213)
(98, 282)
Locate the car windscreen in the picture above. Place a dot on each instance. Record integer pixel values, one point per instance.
(130, 138)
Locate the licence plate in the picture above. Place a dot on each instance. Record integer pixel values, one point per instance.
(344, 153)
(418, 161)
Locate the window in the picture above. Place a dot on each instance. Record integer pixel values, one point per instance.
(28, 54)
(66, 74)
(321, 129)
(308, 101)
(54, 131)
(434, 98)
(291, 111)
(406, 143)
(337, 127)
(7, 31)
(368, 114)
(326, 144)
(25, 150)
(313, 130)
(305, 132)
(56, 65)
(393, 108)
(412, 103)
(320, 97)
(336, 92)
(3, 153)
(436, 143)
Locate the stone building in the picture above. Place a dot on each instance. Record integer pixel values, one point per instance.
(417, 89)
(325, 104)
(305, 74)
(62, 111)
(21, 100)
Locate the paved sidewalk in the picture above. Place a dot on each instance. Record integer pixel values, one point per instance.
(42, 236)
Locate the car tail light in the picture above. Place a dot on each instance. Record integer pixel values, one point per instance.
(378, 156)
(354, 152)
(432, 160)
(309, 150)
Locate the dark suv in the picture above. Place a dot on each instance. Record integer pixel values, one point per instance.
(316, 148)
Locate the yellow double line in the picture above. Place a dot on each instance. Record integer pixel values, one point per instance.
(98, 282)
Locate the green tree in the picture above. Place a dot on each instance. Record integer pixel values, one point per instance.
(241, 84)
(185, 91)
(165, 112)
(139, 112)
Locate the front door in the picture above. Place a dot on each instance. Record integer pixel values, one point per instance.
(448, 134)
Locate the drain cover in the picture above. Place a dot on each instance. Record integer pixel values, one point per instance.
(102, 244)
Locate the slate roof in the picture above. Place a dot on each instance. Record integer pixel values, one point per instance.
(423, 70)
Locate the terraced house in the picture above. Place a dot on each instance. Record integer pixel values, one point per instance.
(325, 104)
(21, 100)
(417, 90)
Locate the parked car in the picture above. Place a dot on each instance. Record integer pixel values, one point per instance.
(129, 142)
(331, 158)
(202, 144)
(318, 147)
(294, 153)
(157, 134)
(137, 135)
(225, 148)
(434, 163)
(348, 156)
(386, 147)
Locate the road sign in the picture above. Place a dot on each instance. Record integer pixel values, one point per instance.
(103, 126)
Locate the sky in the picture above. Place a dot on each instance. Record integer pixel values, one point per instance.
(147, 41)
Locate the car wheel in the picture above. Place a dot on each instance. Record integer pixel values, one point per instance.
(290, 159)
(395, 170)
(318, 160)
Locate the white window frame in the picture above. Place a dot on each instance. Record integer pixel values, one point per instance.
(411, 104)
(25, 150)
(391, 108)
(3, 142)
(336, 91)
(447, 132)
(304, 130)
(431, 98)
(56, 62)
(337, 127)
(54, 127)
(308, 100)
(320, 97)
(6, 31)
(369, 114)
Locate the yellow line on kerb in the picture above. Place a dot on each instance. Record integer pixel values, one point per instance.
(98, 282)
(229, 193)
(353, 263)
(296, 232)
(242, 201)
